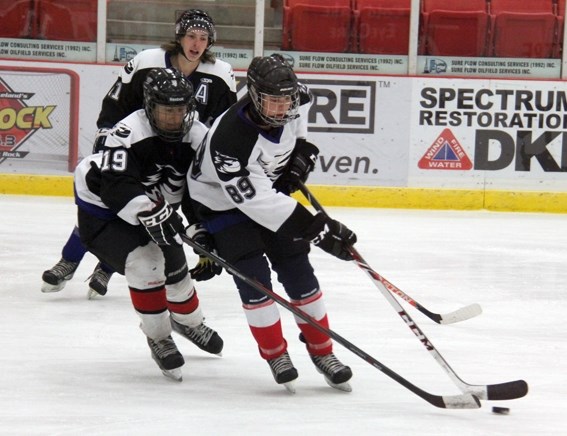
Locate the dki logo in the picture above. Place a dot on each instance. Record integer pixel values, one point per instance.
(519, 150)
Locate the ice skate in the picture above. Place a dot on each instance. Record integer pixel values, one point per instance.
(98, 284)
(56, 278)
(167, 357)
(202, 336)
(336, 374)
(283, 371)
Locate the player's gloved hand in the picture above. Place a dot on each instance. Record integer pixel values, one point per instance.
(163, 224)
(205, 269)
(331, 236)
(301, 163)
(100, 139)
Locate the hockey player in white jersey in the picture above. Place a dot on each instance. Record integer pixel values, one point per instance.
(126, 198)
(254, 156)
(215, 90)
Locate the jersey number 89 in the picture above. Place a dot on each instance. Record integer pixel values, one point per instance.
(241, 191)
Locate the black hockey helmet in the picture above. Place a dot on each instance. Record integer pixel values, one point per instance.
(268, 78)
(168, 87)
(195, 19)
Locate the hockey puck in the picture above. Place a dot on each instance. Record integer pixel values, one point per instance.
(501, 410)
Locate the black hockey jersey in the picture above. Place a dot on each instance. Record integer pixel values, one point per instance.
(135, 169)
(236, 166)
(214, 86)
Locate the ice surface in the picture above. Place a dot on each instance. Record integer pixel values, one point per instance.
(71, 366)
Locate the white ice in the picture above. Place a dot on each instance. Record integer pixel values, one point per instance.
(71, 366)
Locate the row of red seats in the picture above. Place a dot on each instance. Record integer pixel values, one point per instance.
(58, 20)
(501, 28)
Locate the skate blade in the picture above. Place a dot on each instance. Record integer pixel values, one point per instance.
(174, 374)
(92, 294)
(345, 387)
(290, 387)
(47, 288)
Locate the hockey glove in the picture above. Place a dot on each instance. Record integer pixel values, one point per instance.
(163, 224)
(301, 163)
(205, 269)
(331, 236)
(100, 139)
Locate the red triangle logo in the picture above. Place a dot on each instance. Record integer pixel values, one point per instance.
(446, 153)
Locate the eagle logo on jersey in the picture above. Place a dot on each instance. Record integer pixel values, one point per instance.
(228, 167)
(276, 168)
(166, 183)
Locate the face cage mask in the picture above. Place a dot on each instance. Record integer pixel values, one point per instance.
(172, 135)
(262, 104)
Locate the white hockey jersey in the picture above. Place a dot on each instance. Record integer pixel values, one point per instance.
(236, 166)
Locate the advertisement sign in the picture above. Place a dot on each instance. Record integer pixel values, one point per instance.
(499, 134)
(38, 119)
(376, 131)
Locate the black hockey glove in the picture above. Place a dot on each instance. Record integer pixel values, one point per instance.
(331, 236)
(205, 269)
(100, 139)
(301, 163)
(163, 224)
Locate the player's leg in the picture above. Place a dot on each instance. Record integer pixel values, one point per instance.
(128, 250)
(241, 245)
(183, 303)
(294, 271)
(56, 277)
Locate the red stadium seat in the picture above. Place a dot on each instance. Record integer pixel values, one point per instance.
(382, 26)
(523, 28)
(16, 19)
(67, 20)
(455, 27)
(317, 25)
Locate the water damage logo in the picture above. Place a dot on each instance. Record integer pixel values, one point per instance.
(18, 121)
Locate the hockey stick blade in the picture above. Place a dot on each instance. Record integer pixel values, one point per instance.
(459, 315)
(501, 391)
(463, 401)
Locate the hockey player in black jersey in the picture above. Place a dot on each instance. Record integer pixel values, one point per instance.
(215, 90)
(126, 198)
(254, 156)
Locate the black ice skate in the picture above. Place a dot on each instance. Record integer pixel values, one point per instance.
(336, 374)
(56, 278)
(167, 357)
(202, 336)
(283, 371)
(98, 284)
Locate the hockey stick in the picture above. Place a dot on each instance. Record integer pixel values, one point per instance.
(500, 391)
(458, 315)
(463, 401)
